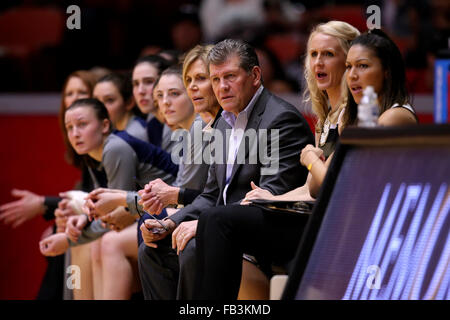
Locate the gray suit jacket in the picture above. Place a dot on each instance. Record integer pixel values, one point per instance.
(269, 112)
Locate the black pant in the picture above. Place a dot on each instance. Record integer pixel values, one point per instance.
(165, 275)
(52, 285)
(224, 233)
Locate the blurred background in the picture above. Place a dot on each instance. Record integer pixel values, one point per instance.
(38, 51)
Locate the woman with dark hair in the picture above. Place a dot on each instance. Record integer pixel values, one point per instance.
(79, 85)
(374, 60)
(115, 91)
(126, 160)
(145, 73)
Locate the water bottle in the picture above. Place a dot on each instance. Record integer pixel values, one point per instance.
(368, 109)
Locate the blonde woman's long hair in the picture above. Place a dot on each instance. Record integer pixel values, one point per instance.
(344, 33)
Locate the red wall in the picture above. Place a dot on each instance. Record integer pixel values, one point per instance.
(31, 157)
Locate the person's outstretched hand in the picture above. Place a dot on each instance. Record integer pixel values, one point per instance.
(25, 208)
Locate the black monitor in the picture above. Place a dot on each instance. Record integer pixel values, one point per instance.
(380, 228)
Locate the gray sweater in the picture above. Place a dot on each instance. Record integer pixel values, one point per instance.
(193, 171)
(129, 162)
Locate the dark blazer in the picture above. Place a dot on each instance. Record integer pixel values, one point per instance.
(269, 112)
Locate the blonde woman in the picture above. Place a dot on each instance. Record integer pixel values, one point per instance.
(327, 49)
(195, 77)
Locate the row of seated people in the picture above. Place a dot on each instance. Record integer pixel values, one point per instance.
(178, 189)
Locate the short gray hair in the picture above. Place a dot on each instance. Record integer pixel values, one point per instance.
(229, 47)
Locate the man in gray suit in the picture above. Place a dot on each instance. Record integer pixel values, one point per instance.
(275, 129)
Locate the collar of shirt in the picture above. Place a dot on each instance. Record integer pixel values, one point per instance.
(208, 127)
(238, 125)
(230, 118)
